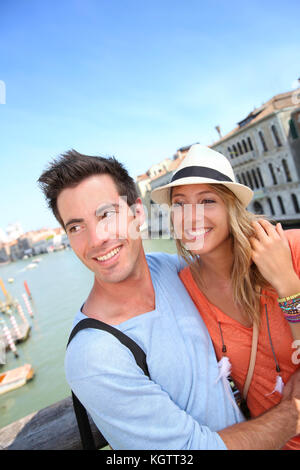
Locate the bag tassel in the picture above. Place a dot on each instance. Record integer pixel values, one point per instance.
(224, 366)
(279, 386)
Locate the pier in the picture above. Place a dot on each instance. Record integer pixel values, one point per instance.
(10, 310)
(24, 333)
(52, 428)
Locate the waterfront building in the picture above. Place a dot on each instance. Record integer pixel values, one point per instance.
(14, 251)
(14, 231)
(33, 243)
(24, 243)
(264, 151)
(4, 253)
(3, 236)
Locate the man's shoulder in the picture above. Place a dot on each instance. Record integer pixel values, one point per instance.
(165, 261)
(89, 337)
(93, 350)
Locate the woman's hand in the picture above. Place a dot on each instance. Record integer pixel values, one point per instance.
(272, 255)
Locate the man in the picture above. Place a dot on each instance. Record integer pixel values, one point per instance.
(182, 405)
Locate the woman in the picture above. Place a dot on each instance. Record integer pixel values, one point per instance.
(241, 272)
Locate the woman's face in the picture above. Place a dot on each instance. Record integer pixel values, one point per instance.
(200, 218)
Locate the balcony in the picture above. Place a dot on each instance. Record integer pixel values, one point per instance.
(259, 193)
(243, 159)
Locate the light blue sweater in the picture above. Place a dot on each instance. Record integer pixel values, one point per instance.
(182, 406)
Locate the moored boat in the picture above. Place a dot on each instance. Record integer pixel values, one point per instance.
(32, 265)
(15, 378)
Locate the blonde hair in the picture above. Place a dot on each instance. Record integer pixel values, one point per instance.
(247, 281)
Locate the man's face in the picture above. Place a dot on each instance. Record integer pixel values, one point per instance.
(102, 230)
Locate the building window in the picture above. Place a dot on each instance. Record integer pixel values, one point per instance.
(293, 130)
(276, 136)
(258, 208)
(271, 206)
(235, 152)
(260, 177)
(245, 146)
(250, 143)
(240, 148)
(263, 142)
(230, 152)
(249, 179)
(239, 179)
(295, 202)
(272, 173)
(244, 179)
(281, 204)
(286, 171)
(255, 179)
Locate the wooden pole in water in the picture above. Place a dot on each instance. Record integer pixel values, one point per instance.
(3, 288)
(27, 289)
(9, 339)
(15, 327)
(21, 313)
(26, 301)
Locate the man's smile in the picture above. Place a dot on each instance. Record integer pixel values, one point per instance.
(109, 257)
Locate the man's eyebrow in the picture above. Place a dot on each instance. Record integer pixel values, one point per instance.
(103, 207)
(73, 221)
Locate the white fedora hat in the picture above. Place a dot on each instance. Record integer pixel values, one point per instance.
(202, 165)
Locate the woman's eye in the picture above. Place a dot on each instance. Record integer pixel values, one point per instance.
(177, 204)
(208, 201)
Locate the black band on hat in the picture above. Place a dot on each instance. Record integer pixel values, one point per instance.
(201, 171)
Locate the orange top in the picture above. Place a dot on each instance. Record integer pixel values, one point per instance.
(238, 340)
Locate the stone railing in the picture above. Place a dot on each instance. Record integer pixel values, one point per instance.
(52, 428)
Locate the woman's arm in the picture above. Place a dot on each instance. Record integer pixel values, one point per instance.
(272, 255)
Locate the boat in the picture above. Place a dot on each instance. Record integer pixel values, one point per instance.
(15, 378)
(31, 266)
(10, 280)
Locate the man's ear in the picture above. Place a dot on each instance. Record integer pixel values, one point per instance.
(139, 211)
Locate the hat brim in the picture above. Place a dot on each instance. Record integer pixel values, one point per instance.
(162, 195)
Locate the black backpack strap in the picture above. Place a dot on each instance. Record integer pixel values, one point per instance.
(80, 412)
(84, 427)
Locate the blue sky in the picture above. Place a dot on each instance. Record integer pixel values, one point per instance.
(130, 78)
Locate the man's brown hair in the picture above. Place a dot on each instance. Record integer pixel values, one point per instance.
(71, 168)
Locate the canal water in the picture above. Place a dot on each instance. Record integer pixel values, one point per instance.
(59, 285)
